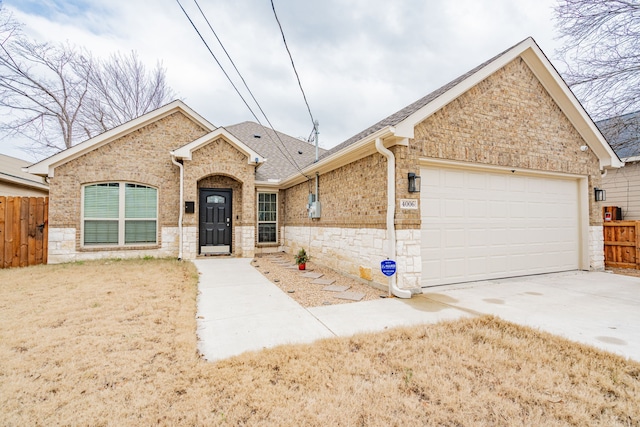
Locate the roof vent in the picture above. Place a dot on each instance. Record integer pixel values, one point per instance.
(299, 151)
(257, 135)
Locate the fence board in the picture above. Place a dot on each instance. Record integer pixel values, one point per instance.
(8, 234)
(31, 232)
(15, 250)
(22, 239)
(622, 244)
(3, 205)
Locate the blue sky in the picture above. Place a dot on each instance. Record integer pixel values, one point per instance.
(358, 60)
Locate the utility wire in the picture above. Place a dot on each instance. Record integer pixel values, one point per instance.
(273, 7)
(288, 155)
(292, 159)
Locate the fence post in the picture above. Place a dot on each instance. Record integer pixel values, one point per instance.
(3, 231)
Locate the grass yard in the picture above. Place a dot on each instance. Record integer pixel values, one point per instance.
(113, 343)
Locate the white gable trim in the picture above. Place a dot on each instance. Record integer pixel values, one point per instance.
(46, 167)
(186, 151)
(529, 51)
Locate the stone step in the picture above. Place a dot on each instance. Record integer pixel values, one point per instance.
(336, 288)
(323, 282)
(352, 296)
(312, 275)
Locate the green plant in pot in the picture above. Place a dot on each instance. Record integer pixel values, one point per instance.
(301, 259)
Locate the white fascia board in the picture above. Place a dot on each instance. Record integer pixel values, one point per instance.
(570, 106)
(46, 167)
(345, 156)
(185, 152)
(529, 51)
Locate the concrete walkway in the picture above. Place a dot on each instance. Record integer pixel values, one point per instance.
(241, 310)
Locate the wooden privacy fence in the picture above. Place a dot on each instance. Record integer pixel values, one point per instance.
(23, 231)
(622, 244)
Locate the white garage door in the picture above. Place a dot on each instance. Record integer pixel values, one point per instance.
(479, 225)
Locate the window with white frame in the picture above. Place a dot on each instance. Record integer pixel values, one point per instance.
(119, 214)
(267, 218)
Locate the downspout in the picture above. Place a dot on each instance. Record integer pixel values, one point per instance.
(391, 214)
(181, 206)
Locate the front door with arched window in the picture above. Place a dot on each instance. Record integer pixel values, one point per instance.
(215, 221)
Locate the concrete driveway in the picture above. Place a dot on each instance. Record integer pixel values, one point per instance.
(598, 309)
(240, 310)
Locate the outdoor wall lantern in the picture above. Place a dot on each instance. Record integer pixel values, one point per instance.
(600, 194)
(414, 183)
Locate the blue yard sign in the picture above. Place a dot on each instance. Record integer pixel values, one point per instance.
(388, 267)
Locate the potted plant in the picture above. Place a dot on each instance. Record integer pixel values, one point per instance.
(301, 259)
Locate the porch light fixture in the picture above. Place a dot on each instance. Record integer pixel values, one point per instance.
(414, 183)
(599, 194)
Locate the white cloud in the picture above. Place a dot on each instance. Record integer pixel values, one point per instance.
(358, 61)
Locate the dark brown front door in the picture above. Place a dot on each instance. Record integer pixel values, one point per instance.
(215, 221)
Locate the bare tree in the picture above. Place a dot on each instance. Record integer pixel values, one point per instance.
(43, 88)
(56, 95)
(121, 90)
(602, 53)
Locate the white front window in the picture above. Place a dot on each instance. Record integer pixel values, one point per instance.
(119, 213)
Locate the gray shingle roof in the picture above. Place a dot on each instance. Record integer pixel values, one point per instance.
(399, 116)
(281, 162)
(623, 134)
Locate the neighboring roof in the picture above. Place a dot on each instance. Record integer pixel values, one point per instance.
(402, 123)
(11, 171)
(285, 154)
(46, 166)
(623, 134)
(186, 151)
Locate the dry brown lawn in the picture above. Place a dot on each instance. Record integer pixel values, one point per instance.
(113, 343)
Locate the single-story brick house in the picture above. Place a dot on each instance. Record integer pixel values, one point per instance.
(490, 176)
(623, 185)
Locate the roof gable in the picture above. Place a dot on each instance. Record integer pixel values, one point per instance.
(186, 151)
(403, 122)
(46, 167)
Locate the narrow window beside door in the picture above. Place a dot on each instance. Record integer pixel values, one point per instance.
(267, 218)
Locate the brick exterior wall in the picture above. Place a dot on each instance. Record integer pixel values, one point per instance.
(353, 196)
(507, 120)
(219, 164)
(142, 156)
(121, 160)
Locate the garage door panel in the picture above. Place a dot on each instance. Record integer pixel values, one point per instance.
(477, 237)
(517, 209)
(455, 238)
(453, 180)
(485, 225)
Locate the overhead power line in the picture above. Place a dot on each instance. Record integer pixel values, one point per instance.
(288, 156)
(284, 39)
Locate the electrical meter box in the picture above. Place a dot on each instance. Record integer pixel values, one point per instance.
(315, 209)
